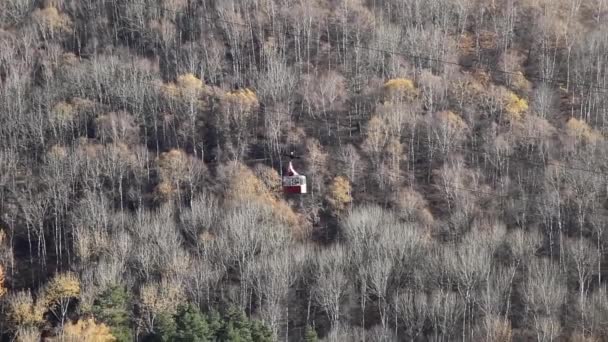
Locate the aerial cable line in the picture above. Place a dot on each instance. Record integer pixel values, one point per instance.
(392, 52)
(462, 149)
(428, 59)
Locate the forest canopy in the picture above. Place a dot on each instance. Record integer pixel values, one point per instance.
(455, 154)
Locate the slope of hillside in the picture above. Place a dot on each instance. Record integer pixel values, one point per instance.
(455, 153)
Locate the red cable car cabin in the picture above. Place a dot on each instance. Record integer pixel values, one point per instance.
(294, 183)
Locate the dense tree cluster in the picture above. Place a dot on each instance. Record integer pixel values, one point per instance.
(455, 153)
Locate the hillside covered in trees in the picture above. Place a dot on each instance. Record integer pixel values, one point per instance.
(456, 153)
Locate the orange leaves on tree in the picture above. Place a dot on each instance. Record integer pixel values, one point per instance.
(270, 178)
(2, 277)
(173, 165)
(86, 330)
(2, 288)
(244, 186)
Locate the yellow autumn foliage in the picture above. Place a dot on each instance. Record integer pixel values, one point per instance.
(86, 331)
(377, 135)
(189, 82)
(520, 82)
(400, 88)
(242, 100)
(161, 297)
(497, 329)
(175, 166)
(186, 87)
(62, 112)
(515, 106)
(450, 119)
(62, 287)
(244, 96)
(339, 196)
(580, 336)
(172, 164)
(27, 334)
(269, 177)
(581, 130)
(164, 191)
(2, 288)
(51, 20)
(82, 103)
(57, 152)
(23, 310)
(2, 276)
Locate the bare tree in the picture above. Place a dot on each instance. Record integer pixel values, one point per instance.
(582, 260)
(412, 311)
(446, 311)
(544, 293)
(247, 231)
(352, 162)
(331, 281)
(273, 276)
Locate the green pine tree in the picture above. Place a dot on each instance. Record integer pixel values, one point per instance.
(260, 332)
(192, 326)
(311, 334)
(166, 328)
(236, 327)
(215, 323)
(112, 307)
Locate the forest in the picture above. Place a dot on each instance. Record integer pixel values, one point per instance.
(456, 156)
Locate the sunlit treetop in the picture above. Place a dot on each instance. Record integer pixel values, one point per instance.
(62, 113)
(189, 82)
(23, 310)
(399, 88)
(87, 330)
(61, 287)
(245, 186)
(339, 195)
(244, 98)
(581, 130)
(515, 106)
(450, 119)
(187, 86)
(50, 19)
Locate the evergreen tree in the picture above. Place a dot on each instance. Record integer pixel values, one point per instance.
(260, 332)
(236, 327)
(112, 308)
(191, 325)
(166, 328)
(310, 335)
